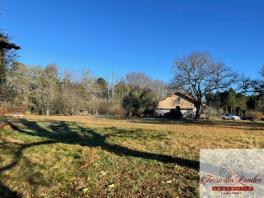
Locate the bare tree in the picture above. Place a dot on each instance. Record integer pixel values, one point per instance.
(7, 57)
(199, 74)
(139, 79)
(254, 85)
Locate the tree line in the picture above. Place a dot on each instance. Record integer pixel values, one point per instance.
(46, 90)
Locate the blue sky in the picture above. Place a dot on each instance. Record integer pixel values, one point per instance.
(119, 36)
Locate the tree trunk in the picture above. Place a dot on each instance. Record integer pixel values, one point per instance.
(2, 74)
(130, 114)
(198, 111)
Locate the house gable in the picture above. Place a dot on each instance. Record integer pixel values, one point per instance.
(175, 100)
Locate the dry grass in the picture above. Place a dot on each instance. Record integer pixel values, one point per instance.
(60, 156)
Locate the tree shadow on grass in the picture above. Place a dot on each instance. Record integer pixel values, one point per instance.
(5, 192)
(71, 133)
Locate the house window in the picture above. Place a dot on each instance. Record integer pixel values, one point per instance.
(178, 101)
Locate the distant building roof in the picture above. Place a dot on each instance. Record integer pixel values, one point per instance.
(185, 97)
(172, 101)
(4, 44)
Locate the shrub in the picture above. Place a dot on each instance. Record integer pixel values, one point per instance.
(8, 109)
(117, 110)
(138, 100)
(210, 112)
(174, 113)
(220, 112)
(256, 115)
(102, 106)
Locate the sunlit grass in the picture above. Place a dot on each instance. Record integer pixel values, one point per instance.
(60, 156)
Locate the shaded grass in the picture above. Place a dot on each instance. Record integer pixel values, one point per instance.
(59, 156)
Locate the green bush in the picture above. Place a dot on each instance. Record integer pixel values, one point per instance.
(138, 100)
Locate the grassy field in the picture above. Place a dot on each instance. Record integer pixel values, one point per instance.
(60, 156)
